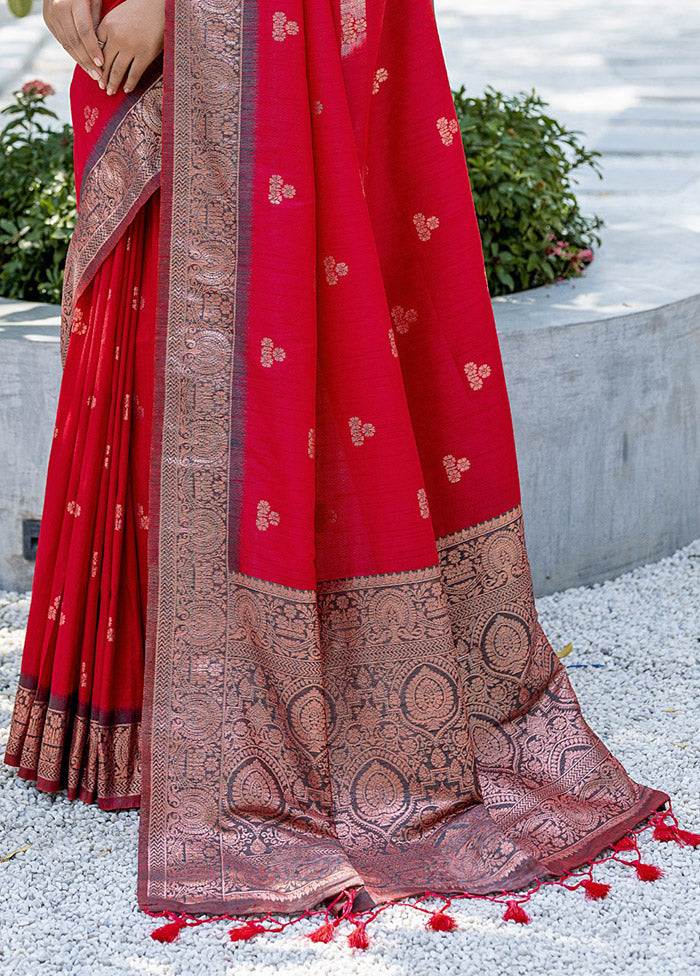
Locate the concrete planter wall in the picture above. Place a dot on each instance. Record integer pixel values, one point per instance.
(606, 425)
(30, 376)
(606, 416)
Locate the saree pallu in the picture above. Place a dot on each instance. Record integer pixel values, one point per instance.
(345, 682)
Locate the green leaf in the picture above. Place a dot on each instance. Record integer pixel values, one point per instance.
(504, 277)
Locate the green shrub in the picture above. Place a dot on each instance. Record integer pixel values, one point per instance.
(37, 197)
(521, 163)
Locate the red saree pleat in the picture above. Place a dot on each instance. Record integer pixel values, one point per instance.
(77, 715)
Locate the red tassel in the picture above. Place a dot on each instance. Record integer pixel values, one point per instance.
(247, 931)
(358, 938)
(665, 832)
(624, 844)
(687, 837)
(516, 913)
(325, 933)
(440, 922)
(648, 872)
(595, 889)
(167, 933)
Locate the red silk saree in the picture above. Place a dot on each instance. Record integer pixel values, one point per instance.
(288, 538)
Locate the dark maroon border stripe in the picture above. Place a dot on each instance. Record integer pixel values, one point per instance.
(250, 68)
(71, 703)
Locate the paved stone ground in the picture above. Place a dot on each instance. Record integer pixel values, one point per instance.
(628, 74)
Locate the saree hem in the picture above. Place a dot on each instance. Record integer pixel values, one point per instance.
(53, 787)
(60, 748)
(586, 854)
(76, 722)
(651, 801)
(250, 906)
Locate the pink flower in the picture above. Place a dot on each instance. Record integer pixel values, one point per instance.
(585, 255)
(39, 88)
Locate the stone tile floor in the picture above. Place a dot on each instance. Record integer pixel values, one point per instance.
(628, 74)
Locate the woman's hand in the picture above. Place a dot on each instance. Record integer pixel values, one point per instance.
(73, 23)
(133, 32)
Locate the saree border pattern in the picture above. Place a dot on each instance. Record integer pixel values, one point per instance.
(123, 171)
(95, 757)
(473, 814)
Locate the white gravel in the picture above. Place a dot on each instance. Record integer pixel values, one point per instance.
(68, 904)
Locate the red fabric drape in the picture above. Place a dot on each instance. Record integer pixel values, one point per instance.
(300, 407)
(77, 714)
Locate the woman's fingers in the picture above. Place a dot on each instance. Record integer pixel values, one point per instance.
(138, 66)
(77, 51)
(70, 21)
(82, 17)
(109, 52)
(119, 68)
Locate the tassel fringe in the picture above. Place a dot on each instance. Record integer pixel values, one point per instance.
(358, 938)
(665, 829)
(167, 933)
(247, 931)
(666, 832)
(440, 922)
(625, 844)
(516, 913)
(648, 872)
(687, 838)
(326, 933)
(595, 889)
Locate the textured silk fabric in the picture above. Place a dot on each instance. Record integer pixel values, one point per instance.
(77, 716)
(76, 721)
(346, 682)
